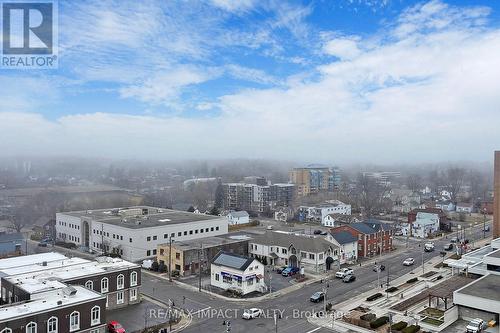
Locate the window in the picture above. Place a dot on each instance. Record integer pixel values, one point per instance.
(250, 282)
(206, 230)
(212, 229)
(196, 231)
(120, 282)
(148, 253)
(155, 237)
(119, 297)
(148, 238)
(104, 285)
(217, 228)
(165, 235)
(190, 232)
(179, 234)
(227, 279)
(95, 315)
(172, 235)
(133, 279)
(121, 237)
(177, 255)
(217, 278)
(89, 285)
(185, 233)
(31, 327)
(74, 321)
(154, 252)
(6, 330)
(133, 294)
(130, 240)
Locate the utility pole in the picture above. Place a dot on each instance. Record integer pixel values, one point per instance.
(102, 238)
(170, 260)
(484, 223)
(423, 249)
(199, 263)
(324, 299)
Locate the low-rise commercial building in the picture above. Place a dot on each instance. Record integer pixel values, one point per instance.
(134, 232)
(187, 255)
(321, 213)
(313, 253)
(232, 271)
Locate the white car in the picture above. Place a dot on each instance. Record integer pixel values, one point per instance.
(252, 313)
(343, 273)
(475, 326)
(409, 262)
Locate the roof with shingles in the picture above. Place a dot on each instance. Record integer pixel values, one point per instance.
(344, 237)
(313, 244)
(232, 260)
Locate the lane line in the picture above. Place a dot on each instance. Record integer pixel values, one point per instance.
(314, 330)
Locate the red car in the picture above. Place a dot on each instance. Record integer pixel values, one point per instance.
(115, 327)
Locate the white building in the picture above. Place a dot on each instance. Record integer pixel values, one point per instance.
(348, 245)
(232, 271)
(424, 225)
(235, 218)
(318, 213)
(313, 253)
(134, 232)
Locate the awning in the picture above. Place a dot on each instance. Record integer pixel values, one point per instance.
(273, 255)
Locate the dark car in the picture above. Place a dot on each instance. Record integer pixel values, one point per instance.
(448, 247)
(317, 297)
(317, 232)
(289, 271)
(377, 267)
(349, 278)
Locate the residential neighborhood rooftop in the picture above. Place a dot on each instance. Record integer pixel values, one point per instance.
(309, 243)
(232, 260)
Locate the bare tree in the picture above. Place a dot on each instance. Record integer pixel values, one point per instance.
(455, 181)
(435, 180)
(370, 195)
(414, 182)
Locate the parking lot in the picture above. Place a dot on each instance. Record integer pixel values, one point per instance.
(135, 317)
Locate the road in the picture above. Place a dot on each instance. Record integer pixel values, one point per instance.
(209, 312)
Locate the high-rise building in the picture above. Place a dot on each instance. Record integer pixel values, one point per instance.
(257, 198)
(311, 179)
(496, 198)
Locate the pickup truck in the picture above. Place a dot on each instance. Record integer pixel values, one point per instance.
(344, 272)
(475, 326)
(429, 247)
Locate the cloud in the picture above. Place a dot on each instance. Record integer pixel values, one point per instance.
(423, 88)
(234, 6)
(343, 48)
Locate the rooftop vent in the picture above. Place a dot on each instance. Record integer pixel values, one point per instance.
(44, 263)
(69, 291)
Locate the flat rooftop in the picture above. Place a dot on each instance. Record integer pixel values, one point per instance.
(494, 254)
(89, 268)
(155, 217)
(208, 242)
(485, 287)
(41, 267)
(32, 259)
(50, 301)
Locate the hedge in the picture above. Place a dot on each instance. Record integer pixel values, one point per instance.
(399, 326)
(368, 317)
(411, 329)
(391, 289)
(379, 322)
(374, 297)
(412, 280)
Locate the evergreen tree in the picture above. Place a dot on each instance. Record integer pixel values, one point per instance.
(191, 209)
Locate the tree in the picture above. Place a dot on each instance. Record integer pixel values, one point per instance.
(414, 182)
(370, 195)
(214, 211)
(455, 181)
(219, 195)
(155, 266)
(191, 209)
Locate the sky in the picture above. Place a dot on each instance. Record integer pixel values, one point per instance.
(374, 81)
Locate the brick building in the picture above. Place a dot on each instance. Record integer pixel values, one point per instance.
(373, 236)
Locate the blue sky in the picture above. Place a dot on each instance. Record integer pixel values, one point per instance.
(326, 81)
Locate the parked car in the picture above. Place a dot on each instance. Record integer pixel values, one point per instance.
(279, 270)
(448, 247)
(398, 233)
(269, 227)
(408, 262)
(289, 271)
(115, 327)
(251, 313)
(317, 232)
(343, 272)
(377, 267)
(349, 278)
(475, 326)
(147, 264)
(317, 297)
(323, 233)
(43, 244)
(454, 240)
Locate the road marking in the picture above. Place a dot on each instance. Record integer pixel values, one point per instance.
(314, 330)
(195, 313)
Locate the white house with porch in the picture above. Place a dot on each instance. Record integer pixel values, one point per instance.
(313, 253)
(232, 271)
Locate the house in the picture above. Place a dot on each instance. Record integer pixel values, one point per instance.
(187, 255)
(347, 243)
(444, 205)
(373, 236)
(313, 253)
(336, 219)
(425, 225)
(318, 213)
(44, 227)
(404, 200)
(11, 244)
(240, 217)
(463, 207)
(283, 214)
(236, 272)
(444, 223)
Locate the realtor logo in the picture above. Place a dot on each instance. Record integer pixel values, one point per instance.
(29, 34)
